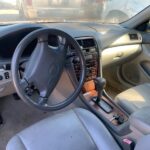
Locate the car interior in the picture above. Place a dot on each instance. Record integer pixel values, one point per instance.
(75, 85)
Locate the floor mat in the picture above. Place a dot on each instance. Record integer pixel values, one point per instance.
(17, 116)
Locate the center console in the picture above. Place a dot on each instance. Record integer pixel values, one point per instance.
(91, 55)
(92, 91)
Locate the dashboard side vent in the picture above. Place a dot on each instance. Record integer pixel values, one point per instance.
(133, 36)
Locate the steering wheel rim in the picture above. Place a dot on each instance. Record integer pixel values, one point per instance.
(42, 36)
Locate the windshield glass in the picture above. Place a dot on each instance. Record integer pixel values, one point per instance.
(110, 11)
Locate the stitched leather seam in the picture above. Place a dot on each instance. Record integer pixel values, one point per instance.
(21, 142)
(85, 128)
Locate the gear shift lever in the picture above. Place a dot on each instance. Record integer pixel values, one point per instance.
(100, 84)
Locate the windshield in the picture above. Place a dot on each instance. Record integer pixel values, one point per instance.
(110, 11)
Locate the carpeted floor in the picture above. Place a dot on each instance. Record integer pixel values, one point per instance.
(17, 116)
(112, 92)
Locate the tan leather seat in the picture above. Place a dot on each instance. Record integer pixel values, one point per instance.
(76, 129)
(134, 98)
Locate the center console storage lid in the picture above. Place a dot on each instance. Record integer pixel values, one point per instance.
(140, 120)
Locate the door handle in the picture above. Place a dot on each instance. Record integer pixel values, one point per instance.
(118, 55)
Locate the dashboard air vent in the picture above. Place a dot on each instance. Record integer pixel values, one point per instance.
(133, 36)
(91, 55)
(86, 43)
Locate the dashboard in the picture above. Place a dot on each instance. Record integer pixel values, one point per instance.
(114, 43)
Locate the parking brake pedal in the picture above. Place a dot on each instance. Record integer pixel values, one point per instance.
(1, 120)
(16, 97)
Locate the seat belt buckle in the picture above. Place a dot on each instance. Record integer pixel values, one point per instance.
(128, 144)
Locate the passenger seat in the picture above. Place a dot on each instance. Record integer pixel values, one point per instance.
(134, 98)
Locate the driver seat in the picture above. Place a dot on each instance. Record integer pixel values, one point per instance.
(77, 129)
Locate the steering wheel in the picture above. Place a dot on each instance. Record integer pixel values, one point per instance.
(45, 68)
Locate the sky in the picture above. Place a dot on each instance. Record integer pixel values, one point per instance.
(9, 1)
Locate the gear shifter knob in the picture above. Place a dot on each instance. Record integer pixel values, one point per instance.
(100, 84)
